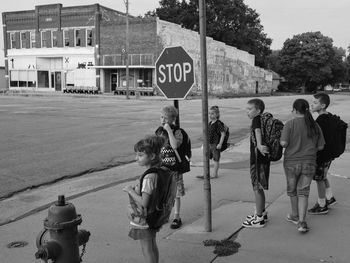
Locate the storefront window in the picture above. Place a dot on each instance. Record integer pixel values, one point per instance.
(43, 79)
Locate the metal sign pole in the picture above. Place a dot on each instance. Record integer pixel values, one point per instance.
(176, 105)
(206, 168)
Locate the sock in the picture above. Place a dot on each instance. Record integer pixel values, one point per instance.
(322, 202)
(176, 216)
(329, 193)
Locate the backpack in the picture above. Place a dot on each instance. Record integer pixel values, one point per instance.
(185, 153)
(271, 130)
(225, 143)
(337, 140)
(179, 159)
(162, 199)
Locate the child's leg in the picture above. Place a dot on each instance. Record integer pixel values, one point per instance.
(259, 201)
(155, 248)
(321, 189)
(216, 169)
(148, 250)
(294, 205)
(177, 207)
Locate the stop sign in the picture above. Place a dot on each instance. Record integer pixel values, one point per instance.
(174, 73)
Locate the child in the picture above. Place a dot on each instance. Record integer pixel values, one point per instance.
(216, 136)
(320, 104)
(302, 138)
(147, 155)
(173, 138)
(259, 165)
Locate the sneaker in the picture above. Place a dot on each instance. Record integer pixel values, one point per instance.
(250, 217)
(177, 223)
(293, 219)
(330, 202)
(318, 210)
(256, 222)
(302, 227)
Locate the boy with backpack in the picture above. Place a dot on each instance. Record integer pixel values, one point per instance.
(175, 155)
(259, 165)
(334, 132)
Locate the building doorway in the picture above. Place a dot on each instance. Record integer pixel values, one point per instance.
(58, 81)
(114, 81)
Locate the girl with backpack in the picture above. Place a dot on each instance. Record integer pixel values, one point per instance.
(148, 155)
(302, 138)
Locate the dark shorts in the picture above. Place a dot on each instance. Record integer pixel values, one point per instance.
(299, 177)
(259, 174)
(214, 153)
(321, 171)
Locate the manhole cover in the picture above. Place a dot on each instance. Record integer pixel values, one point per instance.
(17, 244)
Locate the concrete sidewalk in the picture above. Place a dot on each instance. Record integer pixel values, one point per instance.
(103, 209)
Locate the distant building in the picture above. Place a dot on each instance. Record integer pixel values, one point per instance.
(2, 78)
(54, 47)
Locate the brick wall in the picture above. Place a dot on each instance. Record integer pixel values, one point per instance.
(142, 35)
(230, 70)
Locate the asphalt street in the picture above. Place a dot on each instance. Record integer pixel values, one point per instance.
(47, 138)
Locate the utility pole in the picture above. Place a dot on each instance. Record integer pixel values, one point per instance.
(127, 48)
(204, 84)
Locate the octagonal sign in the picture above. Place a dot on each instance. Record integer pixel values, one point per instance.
(174, 73)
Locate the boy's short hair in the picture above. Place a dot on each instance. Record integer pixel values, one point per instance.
(323, 98)
(216, 110)
(170, 111)
(258, 104)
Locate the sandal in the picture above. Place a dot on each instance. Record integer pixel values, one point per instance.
(176, 223)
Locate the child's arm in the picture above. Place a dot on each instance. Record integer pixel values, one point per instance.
(142, 200)
(262, 148)
(222, 137)
(172, 140)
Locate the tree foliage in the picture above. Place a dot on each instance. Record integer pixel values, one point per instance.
(229, 21)
(310, 60)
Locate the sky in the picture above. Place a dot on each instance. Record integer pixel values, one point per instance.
(281, 19)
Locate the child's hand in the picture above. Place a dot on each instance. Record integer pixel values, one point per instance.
(263, 149)
(218, 146)
(167, 127)
(128, 188)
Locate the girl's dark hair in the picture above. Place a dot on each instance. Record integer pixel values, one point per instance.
(302, 107)
(151, 144)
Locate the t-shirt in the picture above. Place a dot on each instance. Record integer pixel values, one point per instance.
(214, 130)
(300, 148)
(139, 213)
(323, 121)
(256, 124)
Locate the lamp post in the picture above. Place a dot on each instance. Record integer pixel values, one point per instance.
(126, 2)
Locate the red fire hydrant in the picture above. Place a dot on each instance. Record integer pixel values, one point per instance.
(65, 238)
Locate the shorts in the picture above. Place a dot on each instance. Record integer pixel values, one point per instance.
(138, 234)
(214, 153)
(321, 171)
(299, 177)
(180, 187)
(260, 176)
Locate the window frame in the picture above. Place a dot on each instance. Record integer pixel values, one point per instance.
(66, 32)
(32, 39)
(21, 39)
(13, 40)
(43, 33)
(87, 37)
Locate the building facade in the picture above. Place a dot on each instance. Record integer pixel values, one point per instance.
(53, 47)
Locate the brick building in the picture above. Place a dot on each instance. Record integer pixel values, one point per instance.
(55, 47)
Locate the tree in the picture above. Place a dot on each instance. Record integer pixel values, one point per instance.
(310, 60)
(229, 21)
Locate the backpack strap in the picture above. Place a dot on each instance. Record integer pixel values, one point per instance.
(148, 171)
